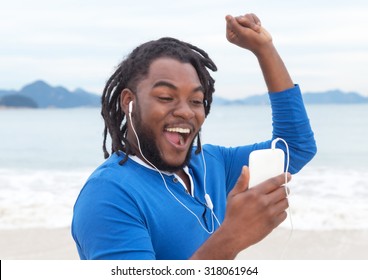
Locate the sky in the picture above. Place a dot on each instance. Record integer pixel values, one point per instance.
(78, 44)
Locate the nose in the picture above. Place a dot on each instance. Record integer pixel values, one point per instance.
(184, 110)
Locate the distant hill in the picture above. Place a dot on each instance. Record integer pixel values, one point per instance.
(45, 96)
(326, 97)
(42, 95)
(334, 97)
(17, 101)
(251, 100)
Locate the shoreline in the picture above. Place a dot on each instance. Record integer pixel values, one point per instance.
(57, 244)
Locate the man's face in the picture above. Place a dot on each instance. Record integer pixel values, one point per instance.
(168, 113)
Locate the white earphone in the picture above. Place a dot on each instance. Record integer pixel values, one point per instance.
(130, 109)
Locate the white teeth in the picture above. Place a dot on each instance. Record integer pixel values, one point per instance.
(178, 130)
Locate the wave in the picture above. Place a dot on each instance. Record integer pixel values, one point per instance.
(321, 198)
(38, 198)
(324, 198)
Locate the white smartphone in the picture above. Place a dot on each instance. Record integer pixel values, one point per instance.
(264, 164)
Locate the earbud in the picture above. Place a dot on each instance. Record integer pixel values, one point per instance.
(130, 107)
(208, 201)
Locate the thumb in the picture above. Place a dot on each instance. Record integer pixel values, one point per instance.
(243, 182)
(231, 28)
(229, 18)
(231, 23)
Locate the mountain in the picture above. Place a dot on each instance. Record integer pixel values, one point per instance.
(42, 95)
(46, 96)
(16, 100)
(326, 97)
(334, 97)
(251, 100)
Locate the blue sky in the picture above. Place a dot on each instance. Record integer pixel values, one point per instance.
(78, 43)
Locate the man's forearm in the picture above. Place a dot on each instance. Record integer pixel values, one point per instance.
(276, 76)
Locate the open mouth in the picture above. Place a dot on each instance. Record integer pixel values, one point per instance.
(177, 135)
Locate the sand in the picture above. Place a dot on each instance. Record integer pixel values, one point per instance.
(310, 245)
(57, 244)
(37, 244)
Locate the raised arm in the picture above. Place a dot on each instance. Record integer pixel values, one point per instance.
(251, 214)
(290, 120)
(247, 32)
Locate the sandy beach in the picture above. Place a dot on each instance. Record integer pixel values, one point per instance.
(57, 244)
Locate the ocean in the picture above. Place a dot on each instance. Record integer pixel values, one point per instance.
(47, 154)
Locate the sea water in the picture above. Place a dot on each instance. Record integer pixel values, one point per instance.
(46, 155)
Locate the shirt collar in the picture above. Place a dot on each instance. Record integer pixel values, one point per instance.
(185, 168)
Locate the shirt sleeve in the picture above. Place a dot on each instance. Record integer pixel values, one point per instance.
(291, 123)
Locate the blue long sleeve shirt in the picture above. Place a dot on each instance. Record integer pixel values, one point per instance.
(128, 212)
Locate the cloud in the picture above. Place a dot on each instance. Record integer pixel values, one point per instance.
(320, 42)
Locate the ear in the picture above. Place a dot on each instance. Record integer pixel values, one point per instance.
(126, 96)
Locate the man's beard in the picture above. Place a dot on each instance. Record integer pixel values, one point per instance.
(150, 150)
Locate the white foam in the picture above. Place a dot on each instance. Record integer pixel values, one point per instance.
(321, 198)
(41, 198)
(329, 198)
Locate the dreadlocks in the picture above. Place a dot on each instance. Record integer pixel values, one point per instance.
(133, 69)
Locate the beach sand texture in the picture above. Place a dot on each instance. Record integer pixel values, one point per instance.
(57, 244)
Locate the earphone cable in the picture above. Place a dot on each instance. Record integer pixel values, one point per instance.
(164, 181)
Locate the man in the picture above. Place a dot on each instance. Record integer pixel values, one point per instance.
(159, 197)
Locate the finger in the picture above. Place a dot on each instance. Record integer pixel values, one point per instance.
(277, 195)
(249, 21)
(231, 29)
(280, 218)
(237, 24)
(242, 183)
(278, 212)
(228, 18)
(274, 183)
(256, 19)
(281, 205)
(231, 24)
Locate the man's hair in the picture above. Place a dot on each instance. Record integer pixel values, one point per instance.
(135, 68)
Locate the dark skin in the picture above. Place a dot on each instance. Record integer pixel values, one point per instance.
(170, 98)
(169, 101)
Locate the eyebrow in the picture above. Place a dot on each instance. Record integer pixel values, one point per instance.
(171, 86)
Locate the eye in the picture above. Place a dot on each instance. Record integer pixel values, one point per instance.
(197, 102)
(165, 98)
